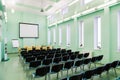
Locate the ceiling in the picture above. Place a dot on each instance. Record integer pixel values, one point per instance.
(44, 7)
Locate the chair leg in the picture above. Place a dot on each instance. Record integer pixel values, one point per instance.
(72, 70)
(67, 73)
(57, 75)
(75, 69)
(115, 72)
(45, 77)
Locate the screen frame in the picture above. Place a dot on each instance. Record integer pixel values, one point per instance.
(29, 24)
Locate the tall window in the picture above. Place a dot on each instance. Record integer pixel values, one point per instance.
(60, 36)
(49, 37)
(118, 32)
(81, 34)
(97, 32)
(64, 10)
(54, 36)
(68, 35)
(87, 1)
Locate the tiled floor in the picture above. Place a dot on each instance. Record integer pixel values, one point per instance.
(13, 70)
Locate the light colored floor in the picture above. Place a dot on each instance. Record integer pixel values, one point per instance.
(13, 70)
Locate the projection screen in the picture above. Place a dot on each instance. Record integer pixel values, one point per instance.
(28, 30)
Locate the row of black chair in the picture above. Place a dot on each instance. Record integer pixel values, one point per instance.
(66, 65)
(95, 72)
(64, 57)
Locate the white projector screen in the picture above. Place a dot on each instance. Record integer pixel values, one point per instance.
(28, 30)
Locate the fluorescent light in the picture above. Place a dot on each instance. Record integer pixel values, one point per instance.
(73, 2)
(3, 2)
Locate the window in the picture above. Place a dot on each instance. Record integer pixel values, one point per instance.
(60, 36)
(118, 32)
(49, 37)
(97, 33)
(54, 36)
(68, 35)
(86, 1)
(64, 10)
(81, 34)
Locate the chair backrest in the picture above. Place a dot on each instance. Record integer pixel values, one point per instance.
(86, 55)
(34, 64)
(57, 60)
(50, 56)
(69, 64)
(107, 67)
(80, 56)
(87, 61)
(100, 57)
(76, 52)
(79, 63)
(41, 57)
(42, 71)
(65, 58)
(114, 64)
(88, 74)
(76, 77)
(57, 68)
(58, 55)
(47, 61)
(72, 57)
(99, 70)
(29, 59)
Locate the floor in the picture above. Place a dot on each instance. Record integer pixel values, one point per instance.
(13, 70)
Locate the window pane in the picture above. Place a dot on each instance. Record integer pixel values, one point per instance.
(81, 34)
(118, 32)
(60, 36)
(49, 37)
(54, 36)
(87, 1)
(97, 33)
(68, 35)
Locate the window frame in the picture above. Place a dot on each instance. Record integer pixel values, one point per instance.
(97, 33)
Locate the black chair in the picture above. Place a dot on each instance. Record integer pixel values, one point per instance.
(65, 58)
(73, 57)
(63, 50)
(68, 51)
(76, 52)
(47, 62)
(41, 57)
(85, 55)
(56, 69)
(78, 63)
(87, 62)
(64, 78)
(88, 75)
(57, 60)
(34, 64)
(50, 56)
(64, 54)
(68, 65)
(99, 58)
(93, 60)
(57, 55)
(29, 59)
(98, 71)
(114, 65)
(40, 72)
(106, 69)
(77, 77)
(80, 56)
